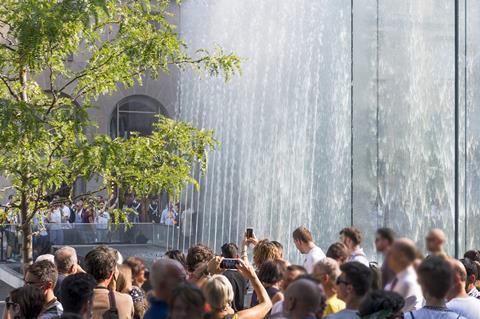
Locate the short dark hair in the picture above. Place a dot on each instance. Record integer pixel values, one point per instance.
(76, 291)
(100, 262)
(470, 267)
(473, 255)
(296, 268)
(30, 299)
(190, 294)
(436, 276)
(337, 251)
(45, 271)
(386, 233)
(353, 233)
(198, 254)
(177, 255)
(229, 250)
(272, 271)
(302, 234)
(359, 276)
(381, 300)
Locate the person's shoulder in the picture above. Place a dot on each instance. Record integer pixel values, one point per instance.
(344, 314)
(123, 297)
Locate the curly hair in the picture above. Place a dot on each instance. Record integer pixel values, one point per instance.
(198, 254)
(265, 250)
(379, 300)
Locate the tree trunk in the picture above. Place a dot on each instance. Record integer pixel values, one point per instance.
(27, 251)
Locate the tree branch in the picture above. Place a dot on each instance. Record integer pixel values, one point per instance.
(10, 90)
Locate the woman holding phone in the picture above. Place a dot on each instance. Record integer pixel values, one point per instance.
(219, 293)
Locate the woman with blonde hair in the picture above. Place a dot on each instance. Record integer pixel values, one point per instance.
(218, 292)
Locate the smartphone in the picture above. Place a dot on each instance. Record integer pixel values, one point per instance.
(249, 232)
(229, 263)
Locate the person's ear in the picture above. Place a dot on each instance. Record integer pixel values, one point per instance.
(49, 285)
(73, 269)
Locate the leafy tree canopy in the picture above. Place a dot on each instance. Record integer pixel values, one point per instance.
(44, 99)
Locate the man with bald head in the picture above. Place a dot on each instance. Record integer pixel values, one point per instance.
(304, 298)
(165, 275)
(458, 299)
(400, 260)
(435, 242)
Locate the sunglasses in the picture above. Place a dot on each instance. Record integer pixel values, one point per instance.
(342, 281)
(9, 303)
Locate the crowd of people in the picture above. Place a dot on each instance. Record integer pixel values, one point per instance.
(338, 284)
(82, 221)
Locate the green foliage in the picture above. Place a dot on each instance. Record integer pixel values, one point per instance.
(44, 99)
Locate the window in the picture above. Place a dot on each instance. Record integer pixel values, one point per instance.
(136, 113)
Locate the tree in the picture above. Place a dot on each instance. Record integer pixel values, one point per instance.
(43, 135)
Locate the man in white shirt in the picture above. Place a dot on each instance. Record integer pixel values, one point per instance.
(351, 237)
(458, 299)
(304, 242)
(55, 220)
(400, 259)
(352, 286)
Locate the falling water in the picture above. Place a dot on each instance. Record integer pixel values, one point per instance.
(285, 125)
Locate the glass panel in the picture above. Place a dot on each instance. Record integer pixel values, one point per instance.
(473, 127)
(284, 125)
(416, 116)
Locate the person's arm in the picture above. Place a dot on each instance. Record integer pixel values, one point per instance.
(246, 242)
(277, 297)
(264, 302)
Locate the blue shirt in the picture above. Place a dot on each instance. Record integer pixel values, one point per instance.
(158, 309)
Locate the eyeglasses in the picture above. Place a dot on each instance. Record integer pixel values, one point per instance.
(342, 281)
(37, 284)
(9, 302)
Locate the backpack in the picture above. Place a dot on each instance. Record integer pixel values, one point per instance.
(111, 313)
(376, 275)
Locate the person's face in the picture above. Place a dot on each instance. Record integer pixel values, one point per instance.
(32, 280)
(299, 245)
(183, 310)
(344, 288)
(381, 244)
(320, 275)
(289, 277)
(140, 276)
(13, 309)
(346, 241)
(432, 243)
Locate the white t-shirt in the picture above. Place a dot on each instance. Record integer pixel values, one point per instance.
(429, 313)
(55, 218)
(313, 256)
(468, 307)
(277, 307)
(344, 314)
(102, 220)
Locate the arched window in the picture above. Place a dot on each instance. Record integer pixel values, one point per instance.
(135, 113)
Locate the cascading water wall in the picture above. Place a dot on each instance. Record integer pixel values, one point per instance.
(342, 113)
(283, 125)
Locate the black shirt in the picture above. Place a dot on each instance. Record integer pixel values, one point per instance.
(239, 285)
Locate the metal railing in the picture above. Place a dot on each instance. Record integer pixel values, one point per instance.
(47, 235)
